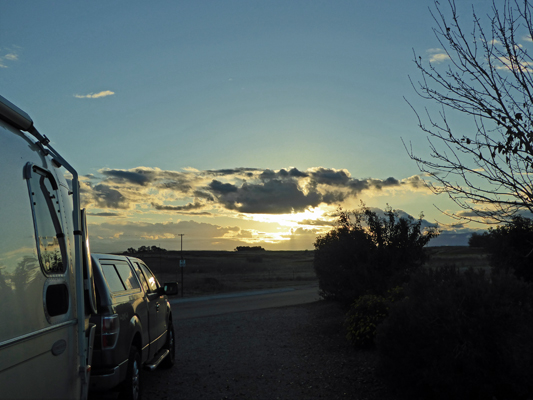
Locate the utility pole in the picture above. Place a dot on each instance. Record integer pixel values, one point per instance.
(182, 261)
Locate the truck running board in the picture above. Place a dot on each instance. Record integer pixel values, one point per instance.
(157, 360)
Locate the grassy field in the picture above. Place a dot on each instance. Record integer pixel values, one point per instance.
(208, 272)
(211, 272)
(458, 256)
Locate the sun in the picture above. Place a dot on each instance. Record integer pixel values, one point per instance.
(293, 220)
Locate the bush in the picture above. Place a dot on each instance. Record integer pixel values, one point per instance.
(511, 247)
(482, 240)
(365, 314)
(460, 336)
(368, 254)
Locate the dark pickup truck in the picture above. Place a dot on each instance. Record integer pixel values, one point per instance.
(133, 325)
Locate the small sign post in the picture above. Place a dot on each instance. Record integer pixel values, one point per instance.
(182, 261)
(182, 267)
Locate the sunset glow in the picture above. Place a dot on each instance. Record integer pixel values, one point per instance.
(232, 123)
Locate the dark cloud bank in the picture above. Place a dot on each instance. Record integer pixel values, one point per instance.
(241, 190)
(245, 190)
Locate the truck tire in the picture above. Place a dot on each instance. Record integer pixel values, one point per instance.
(131, 387)
(170, 345)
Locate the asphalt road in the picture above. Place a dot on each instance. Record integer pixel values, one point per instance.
(198, 307)
(220, 344)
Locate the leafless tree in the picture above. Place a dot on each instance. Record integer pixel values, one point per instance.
(489, 77)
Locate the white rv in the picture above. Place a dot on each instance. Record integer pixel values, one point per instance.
(46, 287)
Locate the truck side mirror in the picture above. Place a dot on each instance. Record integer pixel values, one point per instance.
(170, 288)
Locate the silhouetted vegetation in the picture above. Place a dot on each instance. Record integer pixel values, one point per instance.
(480, 240)
(145, 249)
(449, 332)
(510, 247)
(249, 248)
(367, 254)
(460, 335)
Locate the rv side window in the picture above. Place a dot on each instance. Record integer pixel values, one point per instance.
(47, 219)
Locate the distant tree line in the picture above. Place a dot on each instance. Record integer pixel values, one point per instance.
(249, 248)
(145, 249)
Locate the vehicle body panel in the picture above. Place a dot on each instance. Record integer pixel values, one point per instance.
(143, 317)
(40, 333)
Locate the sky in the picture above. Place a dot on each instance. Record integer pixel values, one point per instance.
(234, 123)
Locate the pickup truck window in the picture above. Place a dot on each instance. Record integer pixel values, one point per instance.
(112, 278)
(140, 274)
(119, 276)
(152, 282)
(126, 275)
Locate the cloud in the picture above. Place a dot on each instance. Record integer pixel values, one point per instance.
(516, 65)
(271, 197)
(104, 93)
(132, 202)
(415, 182)
(230, 191)
(330, 176)
(118, 236)
(222, 188)
(7, 56)
(438, 58)
(282, 174)
(137, 177)
(107, 197)
(187, 207)
(105, 214)
(437, 55)
(317, 222)
(247, 172)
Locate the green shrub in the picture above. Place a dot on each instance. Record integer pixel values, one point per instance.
(460, 336)
(369, 254)
(365, 314)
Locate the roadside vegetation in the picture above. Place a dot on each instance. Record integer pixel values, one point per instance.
(441, 329)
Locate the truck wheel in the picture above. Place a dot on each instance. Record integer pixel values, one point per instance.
(170, 345)
(131, 387)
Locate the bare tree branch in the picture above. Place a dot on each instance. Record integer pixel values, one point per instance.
(489, 77)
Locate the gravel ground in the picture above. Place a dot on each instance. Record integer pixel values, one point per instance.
(297, 352)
